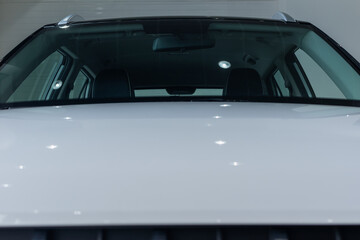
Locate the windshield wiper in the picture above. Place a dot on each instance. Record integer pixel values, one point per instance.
(4, 107)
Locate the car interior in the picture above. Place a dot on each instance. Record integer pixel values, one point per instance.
(162, 58)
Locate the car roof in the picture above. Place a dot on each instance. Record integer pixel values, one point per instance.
(78, 20)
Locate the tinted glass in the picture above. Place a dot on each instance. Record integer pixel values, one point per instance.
(177, 59)
(321, 83)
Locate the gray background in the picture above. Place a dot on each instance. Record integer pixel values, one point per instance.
(19, 18)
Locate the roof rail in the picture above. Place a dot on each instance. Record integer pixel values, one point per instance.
(70, 19)
(283, 17)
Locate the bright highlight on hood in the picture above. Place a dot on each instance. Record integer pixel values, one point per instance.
(52, 147)
(220, 142)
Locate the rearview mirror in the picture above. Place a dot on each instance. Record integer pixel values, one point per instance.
(174, 43)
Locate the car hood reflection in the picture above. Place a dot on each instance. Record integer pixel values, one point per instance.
(175, 163)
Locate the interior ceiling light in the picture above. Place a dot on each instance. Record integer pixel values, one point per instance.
(224, 64)
(57, 85)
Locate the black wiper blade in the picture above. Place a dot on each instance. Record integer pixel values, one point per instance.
(4, 107)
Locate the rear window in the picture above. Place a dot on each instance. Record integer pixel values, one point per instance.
(177, 59)
(320, 81)
(164, 93)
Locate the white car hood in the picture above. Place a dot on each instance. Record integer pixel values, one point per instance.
(179, 163)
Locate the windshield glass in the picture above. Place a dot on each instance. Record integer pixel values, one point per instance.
(177, 59)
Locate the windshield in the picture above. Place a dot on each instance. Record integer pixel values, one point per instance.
(177, 60)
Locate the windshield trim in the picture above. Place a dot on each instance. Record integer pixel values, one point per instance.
(319, 101)
(289, 100)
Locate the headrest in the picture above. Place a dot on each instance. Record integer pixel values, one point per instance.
(112, 83)
(244, 82)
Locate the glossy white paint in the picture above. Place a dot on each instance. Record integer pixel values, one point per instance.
(179, 163)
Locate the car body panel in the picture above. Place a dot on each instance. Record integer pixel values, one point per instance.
(179, 163)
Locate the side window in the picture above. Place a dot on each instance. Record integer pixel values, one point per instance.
(322, 85)
(38, 83)
(81, 87)
(279, 85)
